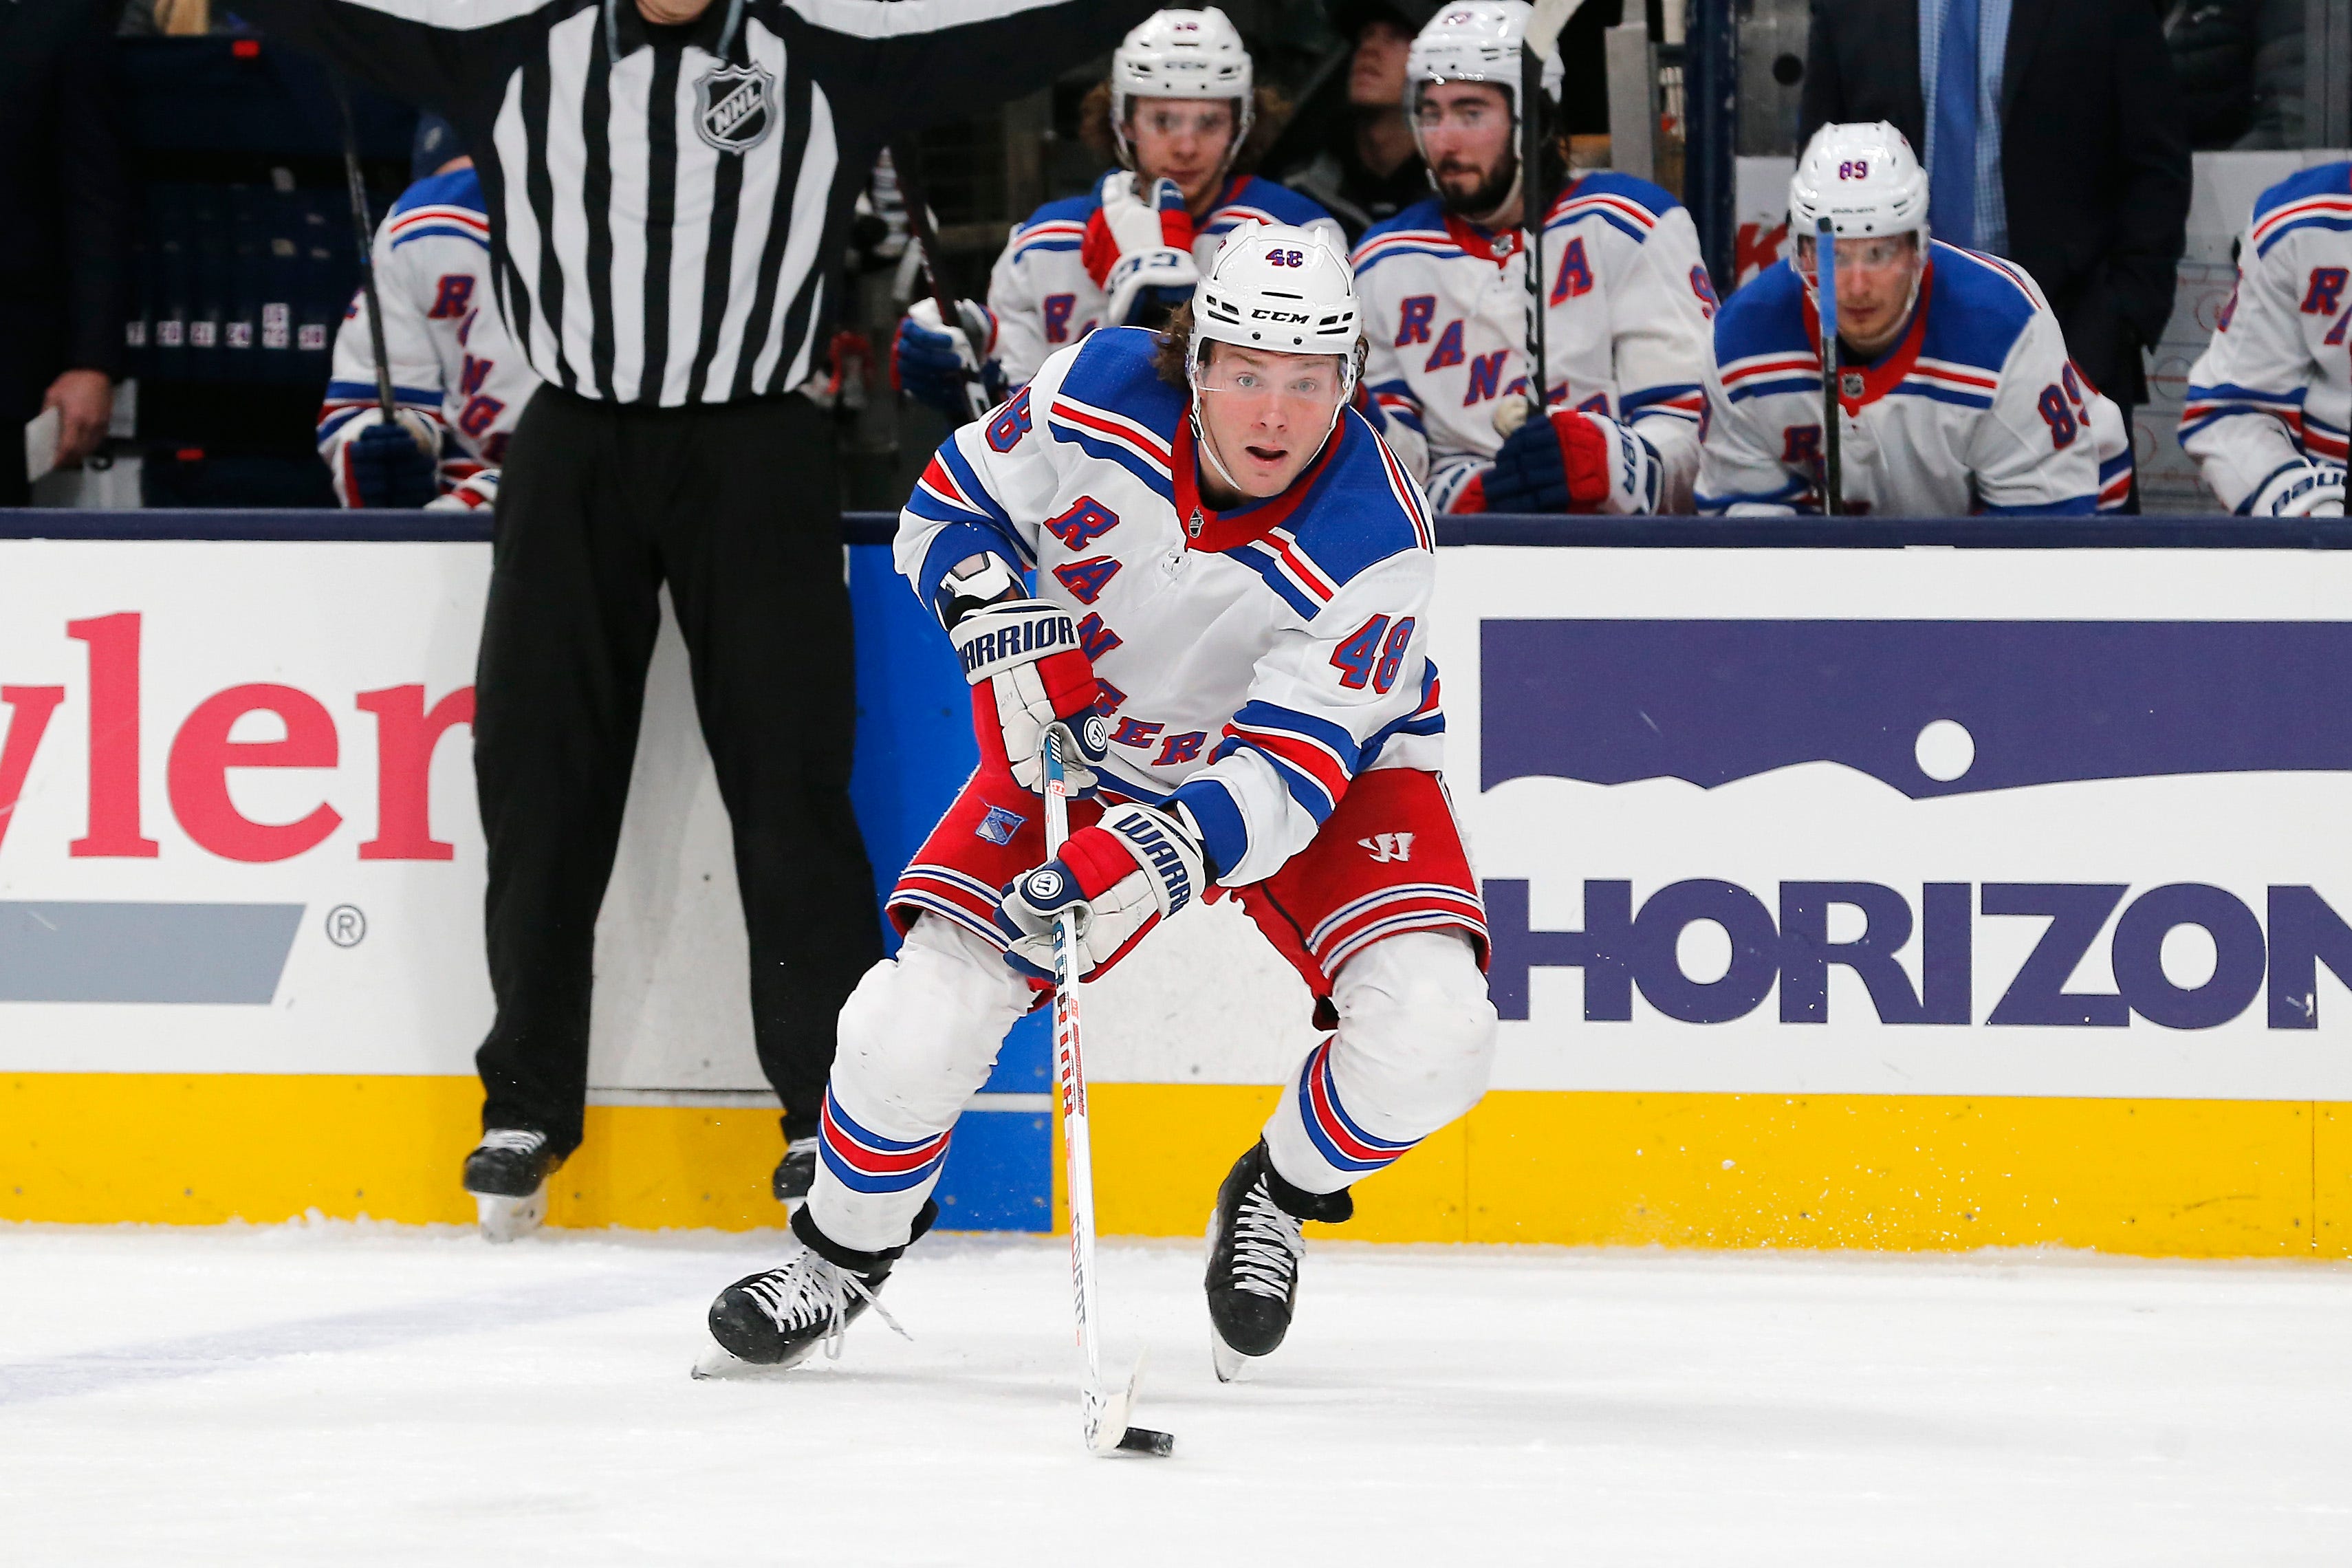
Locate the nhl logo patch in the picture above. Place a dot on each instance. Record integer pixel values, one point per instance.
(1198, 522)
(1849, 383)
(735, 106)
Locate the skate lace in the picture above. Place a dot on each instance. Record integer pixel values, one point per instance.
(809, 1288)
(1267, 1245)
(521, 1141)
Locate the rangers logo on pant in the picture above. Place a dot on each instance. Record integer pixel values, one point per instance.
(735, 108)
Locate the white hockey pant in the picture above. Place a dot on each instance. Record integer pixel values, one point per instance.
(1413, 1050)
(920, 1034)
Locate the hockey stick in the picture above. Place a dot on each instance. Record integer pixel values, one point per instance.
(1536, 46)
(1833, 416)
(907, 159)
(364, 236)
(1106, 1409)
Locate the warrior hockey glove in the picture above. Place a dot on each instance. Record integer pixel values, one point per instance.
(1138, 252)
(1123, 876)
(2300, 489)
(1027, 672)
(1574, 462)
(385, 465)
(941, 365)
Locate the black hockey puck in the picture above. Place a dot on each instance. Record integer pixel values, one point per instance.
(1144, 1440)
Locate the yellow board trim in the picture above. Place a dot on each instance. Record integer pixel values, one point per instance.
(2194, 1178)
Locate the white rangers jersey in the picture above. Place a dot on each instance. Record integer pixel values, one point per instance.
(451, 358)
(1975, 410)
(2274, 386)
(1444, 306)
(1255, 661)
(1045, 298)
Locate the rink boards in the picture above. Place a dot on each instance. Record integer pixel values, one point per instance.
(1911, 898)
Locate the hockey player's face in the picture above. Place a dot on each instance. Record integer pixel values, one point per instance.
(1181, 138)
(1876, 280)
(1466, 135)
(1267, 414)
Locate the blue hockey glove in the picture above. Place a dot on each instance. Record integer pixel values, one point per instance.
(388, 469)
(940, 364)
(1574, 462)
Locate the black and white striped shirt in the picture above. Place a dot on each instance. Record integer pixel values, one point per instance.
(666, 204)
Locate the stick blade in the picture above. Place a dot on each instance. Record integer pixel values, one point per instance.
(1107, 1432)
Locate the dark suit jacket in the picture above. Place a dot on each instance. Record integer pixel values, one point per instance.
(2095, 159)
(64, 210)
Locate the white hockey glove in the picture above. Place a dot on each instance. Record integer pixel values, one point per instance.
(1123, 876)
(1139, 251)
(1028, 673)
(2300, 489)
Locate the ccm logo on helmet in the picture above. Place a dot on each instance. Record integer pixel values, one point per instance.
(1296, 316)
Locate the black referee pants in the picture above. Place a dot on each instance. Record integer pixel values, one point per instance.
(736, 507)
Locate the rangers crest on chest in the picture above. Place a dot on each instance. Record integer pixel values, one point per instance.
(735, 106)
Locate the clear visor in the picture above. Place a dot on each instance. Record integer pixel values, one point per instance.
(1888, 253)
(1312, 381)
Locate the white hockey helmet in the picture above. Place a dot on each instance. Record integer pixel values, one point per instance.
(1477, 41)
(1182, 54)
(1864, 179)
(1281, 289)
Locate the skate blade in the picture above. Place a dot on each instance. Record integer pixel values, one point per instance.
(1107, 1432)
(504, 1219)
(717, 1362)
(1232, 1365)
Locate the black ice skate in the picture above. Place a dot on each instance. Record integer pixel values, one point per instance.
(507, 1173)
(1255, 1248)
(796, 1172)
(776, 1318)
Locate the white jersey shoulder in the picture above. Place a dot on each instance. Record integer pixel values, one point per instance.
(1255, 661)
(451, 360)
(1044, 297)
(1975, 410)
(2273, 387)
(1628, 308)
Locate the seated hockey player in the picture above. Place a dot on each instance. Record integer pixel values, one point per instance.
(457, 383)
(1957, 391)
(1230, 628)
(2270, 397)
(1445, 297)
(1178, 110)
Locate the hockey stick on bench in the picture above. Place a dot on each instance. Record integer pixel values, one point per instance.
(1107, 1410)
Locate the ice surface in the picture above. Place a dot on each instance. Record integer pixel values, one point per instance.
(335, 1394)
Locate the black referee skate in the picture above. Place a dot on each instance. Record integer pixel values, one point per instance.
(776, 1318)
(796, 1172)
(1255, 1248)
(507, 1173)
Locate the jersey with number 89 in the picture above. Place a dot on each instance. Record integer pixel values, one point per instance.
(1976, 407)
(1253, 662)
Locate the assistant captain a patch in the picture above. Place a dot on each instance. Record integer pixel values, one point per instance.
(735, 106)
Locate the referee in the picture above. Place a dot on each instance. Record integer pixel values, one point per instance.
(668, 183)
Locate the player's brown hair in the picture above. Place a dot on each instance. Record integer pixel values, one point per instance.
(1272, 114)
(1169, 349)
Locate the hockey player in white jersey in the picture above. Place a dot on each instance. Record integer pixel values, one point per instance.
(1955, 392)
(1183, 103)
(1443, 287)
(2270, 400)
(1230, 627)
(459, 385)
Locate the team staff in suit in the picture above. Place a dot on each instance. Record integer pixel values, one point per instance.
(2068, 156)
(62, 241)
